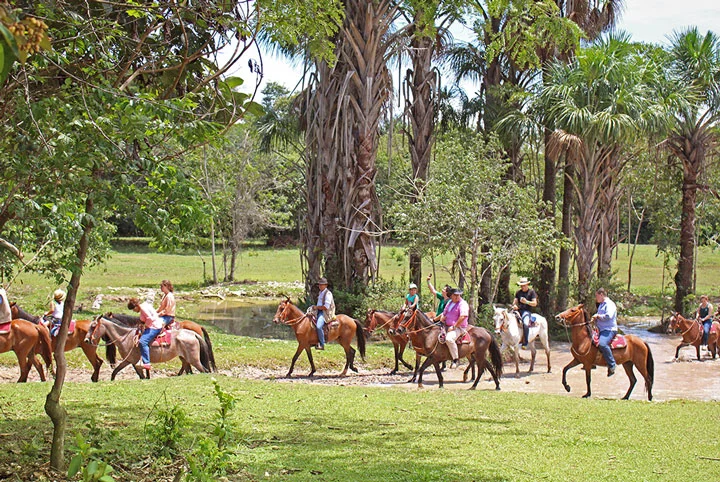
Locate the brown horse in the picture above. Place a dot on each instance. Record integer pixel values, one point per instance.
(303, 325)
(692, 333)
(376, 319)
(26, 339)
(424, 335)
(74, 340)
(636, 353)
(129, 320)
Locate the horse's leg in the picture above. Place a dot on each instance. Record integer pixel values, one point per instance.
(294, 359)
(439, 374)
(122, 365)
(352, 360)
(570, 365)
(348, 354)
(697, 350)
(471, 365)
(194, 362)
(533, 352)
(628, 366)
(677, 352)
(310, 359)
(396, 349)
(588, 377)
(25, 363)
(417, 368)
(422, 368)
(38, 367)
(402, 351)
(92, 356)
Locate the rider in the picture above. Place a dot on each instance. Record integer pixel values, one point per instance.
(704, 315)
(412, 299)
(153, 327)
(5, 313)
(455, 317)
(525, 301)
(443, 297)
(57, 307)
(166, 310)
(606, 321)
(325, 310)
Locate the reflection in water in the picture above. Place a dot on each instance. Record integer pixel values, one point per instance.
(245, 319)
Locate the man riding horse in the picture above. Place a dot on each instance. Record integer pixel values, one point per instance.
(455, 317)
(606, 321)
(325, 309)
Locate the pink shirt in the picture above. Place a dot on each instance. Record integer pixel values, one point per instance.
(149, 316)
(453, 312)
(167, 304)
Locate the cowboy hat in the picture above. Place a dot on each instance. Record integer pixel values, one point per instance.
(523, 281)
(322, 281)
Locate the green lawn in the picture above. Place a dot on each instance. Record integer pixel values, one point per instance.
(282, 431)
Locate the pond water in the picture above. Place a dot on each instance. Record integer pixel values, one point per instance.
(245, 318)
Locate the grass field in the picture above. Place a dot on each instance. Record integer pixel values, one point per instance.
(282, 431)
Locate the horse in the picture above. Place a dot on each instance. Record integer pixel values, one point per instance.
(692, 333)
(636, 353)
(186, 344)
(342, 329)
(510, 331)
(424, 335)
(74, 339)
(388, 320)
(129, 320)
(27, 339)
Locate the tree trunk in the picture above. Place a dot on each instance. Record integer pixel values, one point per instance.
(684, 275)
(504, 295)
(55, 411)
(422, 85)
(212, 249)
(487, 294)
(546, 284)
(565, 253)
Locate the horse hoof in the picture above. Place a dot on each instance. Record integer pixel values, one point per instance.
(567, 388)
(497, 388)
(587, 395)
(471, 388)
(420, 385)
(393, 372)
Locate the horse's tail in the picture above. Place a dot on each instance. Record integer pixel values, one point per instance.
(650, 367)
(360, 334)
(110, 350)
(45, 346)
(204, 353)
(211, 354)
(496, 356)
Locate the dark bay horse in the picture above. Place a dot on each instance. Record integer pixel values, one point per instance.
(185, 344)
(424, 335)
(304, 327)
(74, 340)
(637, 353)
(26, 340)
(387, 320)
(129, 320)
(692, 333)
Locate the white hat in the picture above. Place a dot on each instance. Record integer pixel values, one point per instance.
(59, 295)
(523, 281)
(412, 286)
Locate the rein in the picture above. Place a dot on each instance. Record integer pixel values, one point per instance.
(692, 325)
(572, 348)
(294, 321)
(408, 333)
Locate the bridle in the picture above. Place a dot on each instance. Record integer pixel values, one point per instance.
(90, 338)
(564, 323)
(675, 324)
(282, 319)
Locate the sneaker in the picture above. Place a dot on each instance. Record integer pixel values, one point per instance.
(319, 347)
(147, 366)
(611, 371)
(453, 365)
(524, 347)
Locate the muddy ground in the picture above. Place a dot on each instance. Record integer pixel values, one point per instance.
(686, 378)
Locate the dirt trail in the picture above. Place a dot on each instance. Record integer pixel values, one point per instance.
(684, 379)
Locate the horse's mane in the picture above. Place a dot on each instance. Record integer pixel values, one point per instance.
(26, 316)
(122, 319)
(424, 318)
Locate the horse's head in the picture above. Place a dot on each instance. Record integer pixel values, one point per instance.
(406, 319)
(95, 331)
(370, 321)
(674, 322)
(501, 319)
(572, 316)
(282, 313)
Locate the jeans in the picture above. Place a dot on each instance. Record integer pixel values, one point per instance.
(706, 331)
(167, 319)
(526, 317)
(320, 324)
(606, 336)
(147, 337)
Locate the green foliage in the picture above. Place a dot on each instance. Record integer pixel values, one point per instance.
(166, 430)
(85, 459)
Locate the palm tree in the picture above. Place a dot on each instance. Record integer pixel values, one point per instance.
(695, 61)
(599, 103)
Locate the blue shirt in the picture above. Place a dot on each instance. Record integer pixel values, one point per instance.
(607, 316)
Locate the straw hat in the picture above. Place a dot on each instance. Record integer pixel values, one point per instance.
(59, 295)
(523, 281)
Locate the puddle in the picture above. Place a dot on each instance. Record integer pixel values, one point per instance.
(244, 318)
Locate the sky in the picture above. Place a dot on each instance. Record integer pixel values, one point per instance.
(645, 20)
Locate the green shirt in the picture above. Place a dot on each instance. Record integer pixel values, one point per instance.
(411, 299)
(441, 305)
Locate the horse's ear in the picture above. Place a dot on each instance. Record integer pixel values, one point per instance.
(580, 306)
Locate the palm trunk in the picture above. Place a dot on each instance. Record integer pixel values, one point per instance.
(55, 411)
(684, 275)
(565, 253)
(546, 283)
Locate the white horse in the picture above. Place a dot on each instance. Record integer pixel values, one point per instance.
(508, 326)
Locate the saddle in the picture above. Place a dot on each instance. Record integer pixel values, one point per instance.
(55, 327)
(714, 328)
(163, 339)
(463, 340)
(5, 328)
(616, 343)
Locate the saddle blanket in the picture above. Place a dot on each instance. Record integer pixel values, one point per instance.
(714, 328)
(464, 340)
(163, 339)
(617, 342)
(55, 328)
(5, 328)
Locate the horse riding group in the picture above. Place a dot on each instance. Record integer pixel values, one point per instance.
(445, 336)
(153, 337)
(701, 331)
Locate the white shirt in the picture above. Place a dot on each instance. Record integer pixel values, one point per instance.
(5, 313)
(58, 308)
(325, 298)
